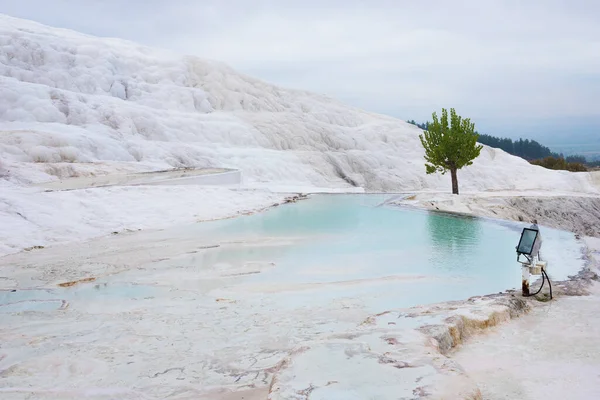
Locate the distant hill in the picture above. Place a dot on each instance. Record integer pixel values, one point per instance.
(591, 151)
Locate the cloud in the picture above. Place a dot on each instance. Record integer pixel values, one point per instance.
(493, 60)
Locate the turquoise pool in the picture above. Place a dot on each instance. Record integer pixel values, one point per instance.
(328, 249)
(349, 245)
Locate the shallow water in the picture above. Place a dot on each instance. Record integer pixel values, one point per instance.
(49, 299)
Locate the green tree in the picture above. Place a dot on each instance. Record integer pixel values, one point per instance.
(450, 147)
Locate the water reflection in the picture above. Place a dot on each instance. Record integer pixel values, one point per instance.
(455, 242)
(453, 232)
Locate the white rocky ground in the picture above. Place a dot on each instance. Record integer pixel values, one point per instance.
(567, 211)
(30, 217)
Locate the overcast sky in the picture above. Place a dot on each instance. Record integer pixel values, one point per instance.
(515, 67)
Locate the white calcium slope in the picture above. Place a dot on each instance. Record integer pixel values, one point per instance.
(68, 99)
(29, 218)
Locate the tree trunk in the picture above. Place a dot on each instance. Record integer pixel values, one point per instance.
(454, 181)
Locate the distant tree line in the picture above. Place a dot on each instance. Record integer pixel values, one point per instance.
(527, 149)
(560, 163)
(594, 164)
(530, 150)
(424, 125)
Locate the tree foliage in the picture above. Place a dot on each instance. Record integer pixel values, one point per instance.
(449, 145)
(560, 163)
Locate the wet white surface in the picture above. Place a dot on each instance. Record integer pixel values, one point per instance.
(190, 310)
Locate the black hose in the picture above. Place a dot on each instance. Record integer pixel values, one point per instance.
(549, 284)
(544, 278)
(541, 286)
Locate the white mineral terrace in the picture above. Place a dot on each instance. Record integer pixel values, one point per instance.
(233, 308)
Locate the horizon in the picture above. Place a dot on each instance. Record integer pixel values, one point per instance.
(535, 76)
